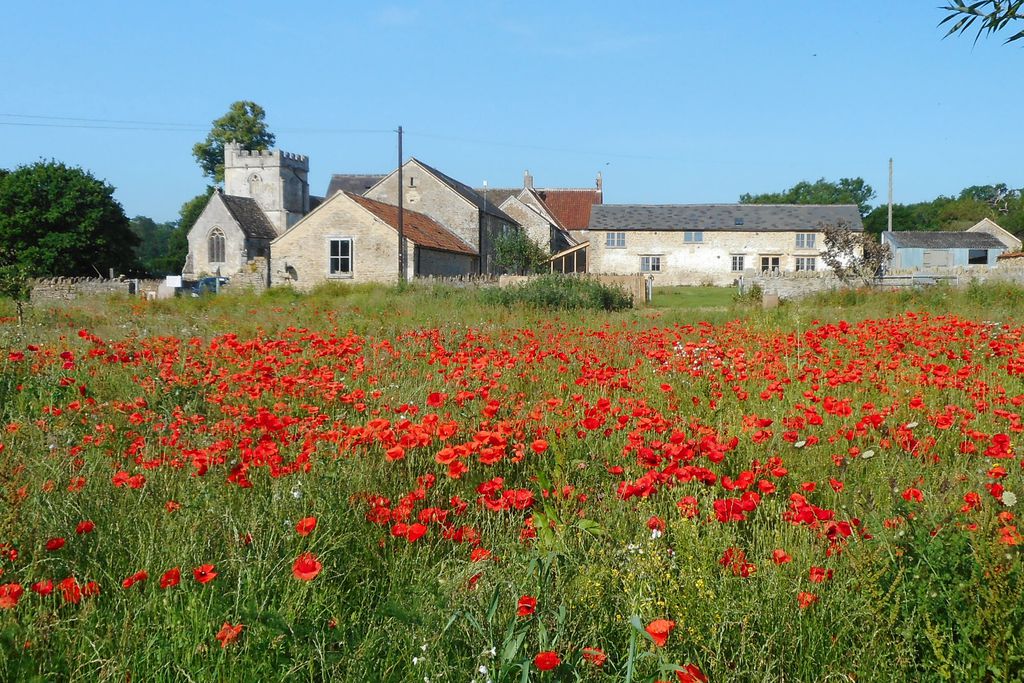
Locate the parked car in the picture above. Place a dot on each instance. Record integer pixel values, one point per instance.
(210, 285)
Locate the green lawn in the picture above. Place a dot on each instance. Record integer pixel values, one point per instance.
(692, 297)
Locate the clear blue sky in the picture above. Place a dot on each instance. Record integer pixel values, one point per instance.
(675, 102)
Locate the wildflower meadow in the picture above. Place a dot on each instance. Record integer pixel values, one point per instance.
(419, 485)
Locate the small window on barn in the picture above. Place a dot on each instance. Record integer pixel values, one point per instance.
(615, 240)
(339, 260)
(805, 240)
(650, 264)
(739, 221)
(693, 236)
(977, 257)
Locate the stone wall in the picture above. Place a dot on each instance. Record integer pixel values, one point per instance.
(70, 288)
(252, 276)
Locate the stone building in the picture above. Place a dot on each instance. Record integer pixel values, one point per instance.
(989, 226)
(351, 238)
(475, 219)
(264, 194)
(692, 244)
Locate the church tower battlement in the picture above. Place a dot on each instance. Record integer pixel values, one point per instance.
(277, 180)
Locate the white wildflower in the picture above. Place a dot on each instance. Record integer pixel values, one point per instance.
(655, 533)
(1009, 499)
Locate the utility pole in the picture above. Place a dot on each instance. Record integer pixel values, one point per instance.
(889, 229)
(401, 216)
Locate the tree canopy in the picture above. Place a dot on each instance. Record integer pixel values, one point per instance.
(998, 202)
(843, 191)
(243, 123)
(990, 16)
(60, 220)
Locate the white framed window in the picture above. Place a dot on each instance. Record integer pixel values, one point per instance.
(339, 257)
(693, 236)
(806, 263)
(737, 263)
(770, 264)
(805, 240)
(215, 246)
(650, 264)
(615, 240)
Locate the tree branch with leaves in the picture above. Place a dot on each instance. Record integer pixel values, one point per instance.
(990, 16)
(855, 257)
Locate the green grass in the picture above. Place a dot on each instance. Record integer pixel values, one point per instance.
(165, 389)
(693, 297)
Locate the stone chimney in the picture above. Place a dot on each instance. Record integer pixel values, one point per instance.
(527, 180)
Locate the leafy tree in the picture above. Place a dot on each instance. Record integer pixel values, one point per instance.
(517, 254)
(153, 241)
(855, 257)
(59, 220)
(843, 191)
(990, 16)
(174, 257)
(14, 281)
(243, 123)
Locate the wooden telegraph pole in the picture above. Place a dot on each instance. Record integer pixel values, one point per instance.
(401, 216)
(889, 228)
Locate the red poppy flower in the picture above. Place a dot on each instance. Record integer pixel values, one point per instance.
(819, 574)
(91, 589)
(479, 554)
(43, 588)
(85, 527)
(659, 630)
(204, 573)
(170, 578)
(527, 605)
(229, 634)
(135, 578)
(306, 567)
(436, 399)
(539, 446)
(70, 590)
(595, 656)
(691, 673)
(547, 660)
(305, 525)
(55, 544)
(10, 593)
(805, 599)
(780, 556)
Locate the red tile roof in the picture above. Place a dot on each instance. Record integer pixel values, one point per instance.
(422, 230)
(571, 207)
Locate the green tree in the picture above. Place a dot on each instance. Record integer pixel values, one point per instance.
(60, 220)
(153, 241)
(174, 257)
(517, 254)
(14, 280)
(821, 191)
(990, 16)
(243, 123)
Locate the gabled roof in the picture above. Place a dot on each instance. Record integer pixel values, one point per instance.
(422, 230)
(250, 217)
(723, 217)
(924, 239)
(352, 182)
(572, 207)
(498, 195)
(467, 192)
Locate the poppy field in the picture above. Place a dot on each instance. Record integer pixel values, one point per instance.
(411, 486)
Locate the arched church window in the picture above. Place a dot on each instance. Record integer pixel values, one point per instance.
(216, 246)
(254, 184)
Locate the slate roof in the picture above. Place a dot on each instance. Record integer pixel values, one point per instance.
(923, 239)
(572, 207)
(352, 182)
(723, 217)
(498, 195)
(485, 205)
(250, 217)
(422, 230)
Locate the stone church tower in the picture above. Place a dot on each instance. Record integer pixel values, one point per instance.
(278, 181)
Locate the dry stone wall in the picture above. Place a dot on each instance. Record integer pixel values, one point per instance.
(70, 288)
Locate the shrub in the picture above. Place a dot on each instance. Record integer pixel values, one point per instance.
(560, 292)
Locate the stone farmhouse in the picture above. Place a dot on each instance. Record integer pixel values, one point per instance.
(692, 244)
(351, 238)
